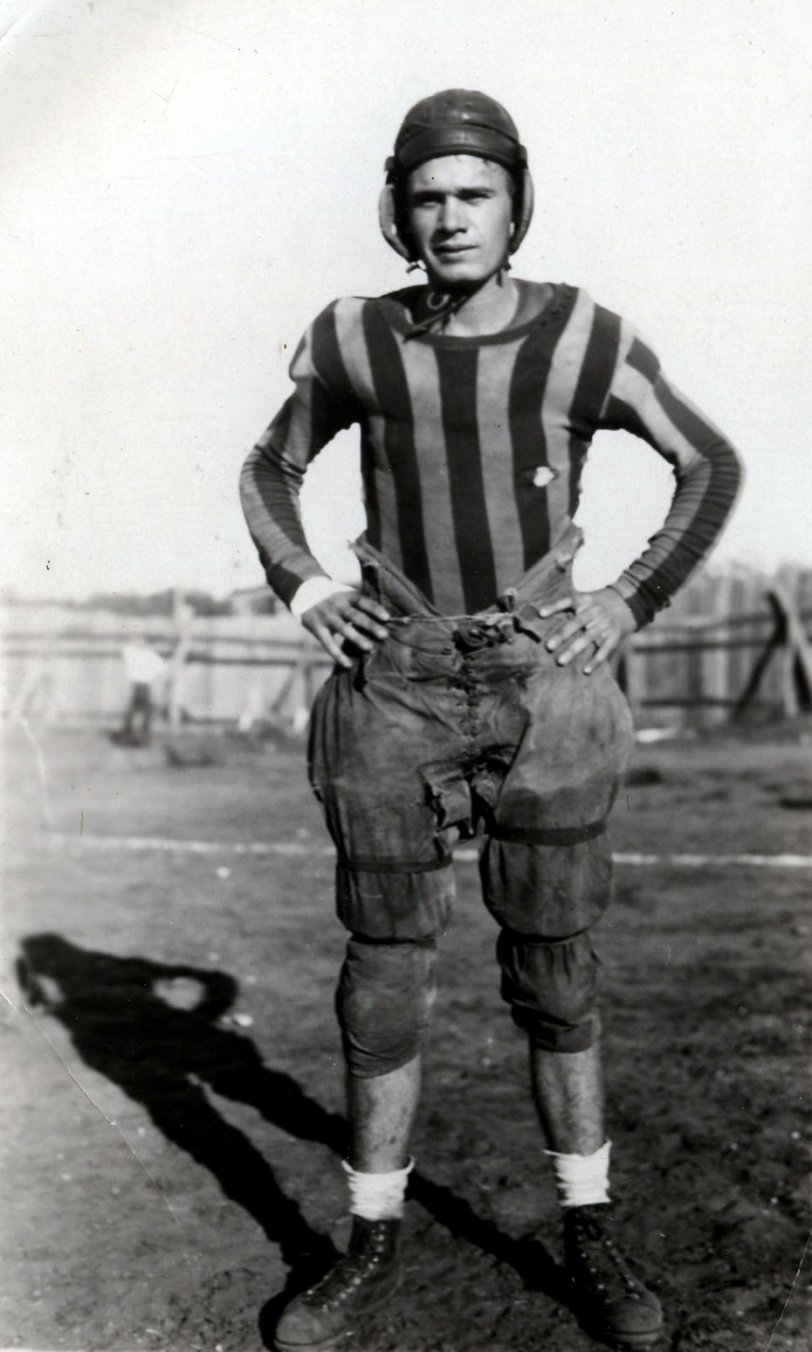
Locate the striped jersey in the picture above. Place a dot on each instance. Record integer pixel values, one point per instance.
(472, 448)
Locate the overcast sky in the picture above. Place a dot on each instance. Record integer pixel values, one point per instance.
(187, 182)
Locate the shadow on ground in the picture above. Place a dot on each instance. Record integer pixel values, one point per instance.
(153, 1030)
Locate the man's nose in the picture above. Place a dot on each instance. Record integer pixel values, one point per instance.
(451, 215)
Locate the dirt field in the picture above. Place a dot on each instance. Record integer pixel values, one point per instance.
(172, 1127)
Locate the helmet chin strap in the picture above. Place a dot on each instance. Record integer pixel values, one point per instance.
(444, 304)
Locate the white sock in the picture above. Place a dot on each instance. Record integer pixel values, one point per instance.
(582, 1180)
(377, 1197)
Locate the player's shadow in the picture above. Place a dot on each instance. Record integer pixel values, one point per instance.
(154, 1030)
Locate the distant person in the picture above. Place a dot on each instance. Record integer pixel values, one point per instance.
(471, 690)
(144, 667)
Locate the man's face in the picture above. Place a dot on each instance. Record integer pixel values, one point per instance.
(460, 210)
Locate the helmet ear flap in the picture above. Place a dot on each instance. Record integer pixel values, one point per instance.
(525, 213)
(388, 221)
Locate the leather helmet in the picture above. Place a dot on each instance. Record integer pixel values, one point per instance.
(453, 122)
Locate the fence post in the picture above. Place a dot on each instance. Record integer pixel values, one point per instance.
(183, 616)
(308, 682)
(716, 666)
(796, 655)
(790, 639)
(631, 675)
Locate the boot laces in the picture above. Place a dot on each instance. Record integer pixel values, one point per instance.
(348, 1273)
(602, 1258)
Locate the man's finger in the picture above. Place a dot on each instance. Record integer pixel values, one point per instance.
(367, 622)
(373, 608)
(327, 642)
(562, 633)
(555, 607)
(573, 649)
(605, 650)
(355, 636)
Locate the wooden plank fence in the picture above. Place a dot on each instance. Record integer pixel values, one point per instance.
(716, 669)
(732, 646)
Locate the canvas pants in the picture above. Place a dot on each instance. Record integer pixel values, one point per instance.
(456, 725)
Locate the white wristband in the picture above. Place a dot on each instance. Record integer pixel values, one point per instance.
(312, 591)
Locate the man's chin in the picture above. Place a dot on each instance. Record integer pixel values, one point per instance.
(456, 276)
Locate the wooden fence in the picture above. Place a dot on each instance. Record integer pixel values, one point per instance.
(223, 670)
(733, 645)
(705, 670)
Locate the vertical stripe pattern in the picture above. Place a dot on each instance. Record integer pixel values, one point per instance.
(423, 377)
(473, 448)
(392, 396)
(591, 390)
(529, 445)
(458, 377)
(566, 363)
(496, 366)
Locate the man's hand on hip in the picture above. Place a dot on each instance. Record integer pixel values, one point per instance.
(601, 621)
(346, 616)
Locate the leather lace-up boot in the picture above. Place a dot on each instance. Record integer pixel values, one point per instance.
(611, 1303)
(367, 1275)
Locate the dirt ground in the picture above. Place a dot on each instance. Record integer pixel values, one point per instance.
(172, 1127)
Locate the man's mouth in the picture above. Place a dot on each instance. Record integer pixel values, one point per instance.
(453, 251)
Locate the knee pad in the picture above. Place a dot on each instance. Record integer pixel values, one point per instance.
(384, 999)
(551, 987)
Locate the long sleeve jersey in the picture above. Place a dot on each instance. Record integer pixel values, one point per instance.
(472, 448)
